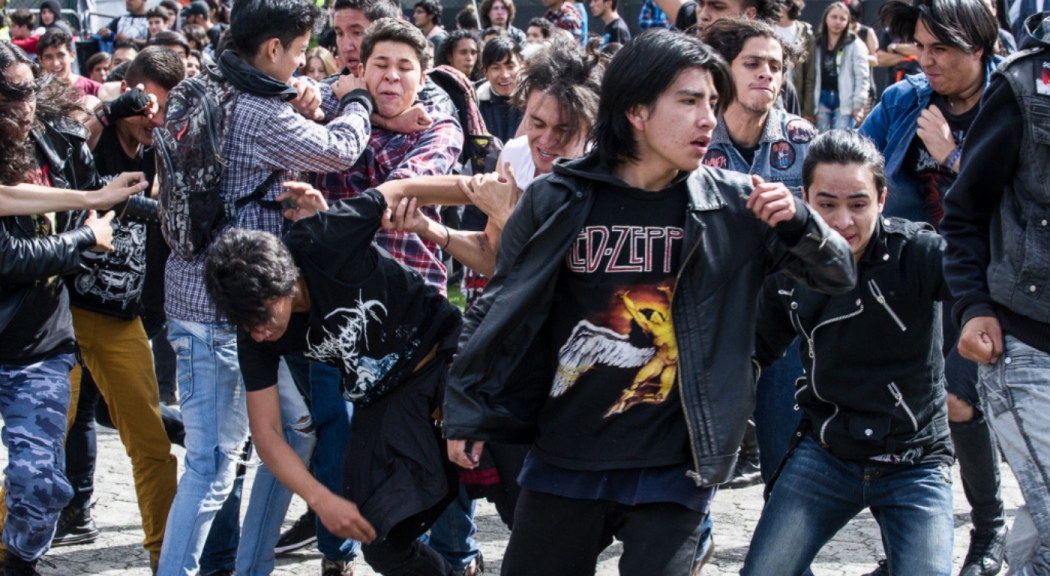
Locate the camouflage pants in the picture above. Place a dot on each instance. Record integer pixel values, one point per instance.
(34, 400)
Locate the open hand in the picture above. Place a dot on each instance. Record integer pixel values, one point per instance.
(494, 195)
(103, 229)
(342, 518)
(118, 190)
(307, 199)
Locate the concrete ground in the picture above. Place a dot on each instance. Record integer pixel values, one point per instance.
(118, 550)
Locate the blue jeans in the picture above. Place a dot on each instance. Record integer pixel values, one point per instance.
(776, 413)
(452, 535)
(817, 494)
(830, 116)
(269, 499)
(224, 537)
(331, 416)
(1015, 393)
(34, 399)
(211, 395)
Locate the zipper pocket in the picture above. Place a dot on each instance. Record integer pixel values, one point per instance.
(902, 404)
(877, 293)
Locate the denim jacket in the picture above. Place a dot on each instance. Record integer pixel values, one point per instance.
(892, 125)
(781, 150)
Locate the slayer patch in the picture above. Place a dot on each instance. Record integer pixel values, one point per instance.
(716, 159)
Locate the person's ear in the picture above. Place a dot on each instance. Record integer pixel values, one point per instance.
(805, 195)
(637, 115)
(750, 13)
(273, 46)
(882, 199)
(360, 72)
(123, 86)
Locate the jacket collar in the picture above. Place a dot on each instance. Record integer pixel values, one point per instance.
(703, 191)
(248, 78)
(773, 131)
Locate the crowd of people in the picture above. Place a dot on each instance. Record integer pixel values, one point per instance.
(584, 275)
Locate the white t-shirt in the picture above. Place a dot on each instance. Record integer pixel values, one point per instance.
(788, 34)
(520, 157)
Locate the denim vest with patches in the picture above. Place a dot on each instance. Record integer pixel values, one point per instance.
(1019, 269)
(781, 150)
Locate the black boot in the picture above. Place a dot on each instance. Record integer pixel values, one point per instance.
(748, 470)
(15, 566)
(978, 458)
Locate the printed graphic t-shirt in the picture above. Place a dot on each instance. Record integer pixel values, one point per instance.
(934, 177)
(614, 403)
(370, 316)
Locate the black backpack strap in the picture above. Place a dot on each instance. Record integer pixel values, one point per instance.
(259, 192)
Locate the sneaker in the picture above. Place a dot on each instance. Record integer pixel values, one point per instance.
(708, 555)
(15, 566)
(985, 556)
(336, 567)
(75, 526)
(300, 535)
(882, 570)
(476, 566)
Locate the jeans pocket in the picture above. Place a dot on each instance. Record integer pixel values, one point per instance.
(183, 347)
(990, 382)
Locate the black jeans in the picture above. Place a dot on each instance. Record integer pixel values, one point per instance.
(558, 536)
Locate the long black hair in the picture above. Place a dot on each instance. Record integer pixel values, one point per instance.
(638, 75)
(967, 25)
(53, 99)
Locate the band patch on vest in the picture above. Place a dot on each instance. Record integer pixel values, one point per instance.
(1042, 83)
(716, 159)
(782, 155)
(800, 131)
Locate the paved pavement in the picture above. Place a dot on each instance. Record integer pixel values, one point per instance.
(118, 550)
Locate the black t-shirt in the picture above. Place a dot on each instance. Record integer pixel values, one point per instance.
(614, 403)
(748, 152)
(370, 316)
(616, 31)
(43, 325)
(829, 69)
(114, 283)
(934, 177)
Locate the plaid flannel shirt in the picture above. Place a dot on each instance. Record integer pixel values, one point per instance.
(567, 18)
(392, 156)
(267, 134)
(651, 16)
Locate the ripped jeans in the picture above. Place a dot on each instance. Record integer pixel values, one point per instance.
(212, 398)
(1015, 393)
(269, 499)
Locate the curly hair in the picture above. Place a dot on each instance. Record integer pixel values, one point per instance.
(244, 271)
(568, 74)
(448, 48)
(53, 97)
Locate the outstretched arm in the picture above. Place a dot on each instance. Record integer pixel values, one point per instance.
(27, 199)
(476, 250)
(339, 515)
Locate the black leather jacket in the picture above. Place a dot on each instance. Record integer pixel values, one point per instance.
(26, 258)
(504, 372)
(874, 381)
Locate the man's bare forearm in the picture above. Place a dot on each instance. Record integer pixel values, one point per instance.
(28, 199)
(427, 190)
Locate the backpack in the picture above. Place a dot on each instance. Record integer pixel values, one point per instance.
(190, 164)
(477, 142)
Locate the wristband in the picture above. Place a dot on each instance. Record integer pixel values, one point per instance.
(952, 158)
(102, 115)
(448, 237)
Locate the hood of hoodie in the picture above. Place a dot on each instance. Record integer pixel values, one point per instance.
(1036, 31)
